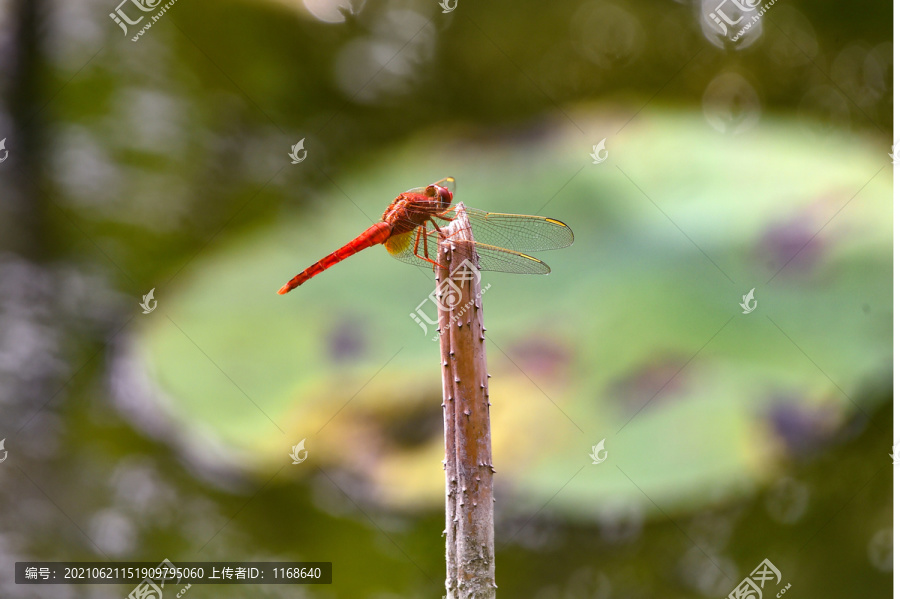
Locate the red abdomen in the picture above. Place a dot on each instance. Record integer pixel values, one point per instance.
(377, 233)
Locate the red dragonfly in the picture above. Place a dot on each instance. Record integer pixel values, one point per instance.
(404, 231)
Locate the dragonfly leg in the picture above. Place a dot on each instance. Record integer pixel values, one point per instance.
(421, 235)
(437, 228)
(440, 231)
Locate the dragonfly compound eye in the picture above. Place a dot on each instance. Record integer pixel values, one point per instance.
(445, 194)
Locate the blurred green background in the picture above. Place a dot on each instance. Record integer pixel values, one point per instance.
(163, 164)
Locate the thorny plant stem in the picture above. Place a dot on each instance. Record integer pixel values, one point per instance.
(467, 426)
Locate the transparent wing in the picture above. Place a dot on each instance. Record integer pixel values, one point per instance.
(499, 259)
(490, 257)
(448, 182)
(516, 231)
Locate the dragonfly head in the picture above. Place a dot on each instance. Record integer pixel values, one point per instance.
(443, 191)
(446, 195)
